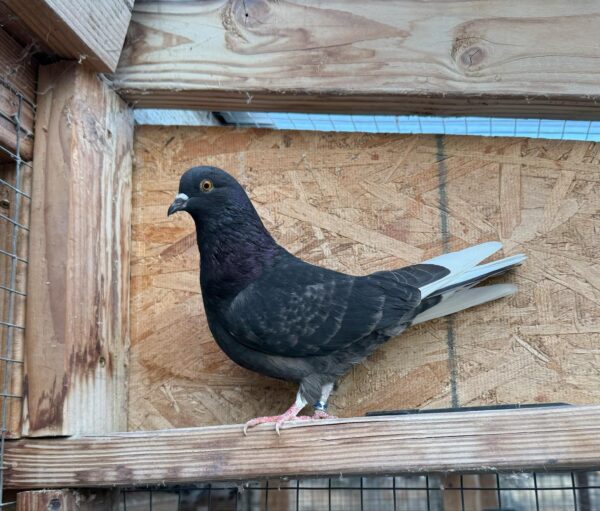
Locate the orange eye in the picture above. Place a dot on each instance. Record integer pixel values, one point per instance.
(206, 185)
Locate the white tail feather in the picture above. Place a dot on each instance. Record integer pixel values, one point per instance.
(483, 269)
(463, 299)
(458, 263)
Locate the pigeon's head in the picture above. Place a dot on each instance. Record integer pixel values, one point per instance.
(208, 190)
(234, 244)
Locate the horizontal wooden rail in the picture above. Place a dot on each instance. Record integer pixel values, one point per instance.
(493, 57)
(526, 439)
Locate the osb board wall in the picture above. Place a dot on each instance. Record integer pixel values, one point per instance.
(359, 203)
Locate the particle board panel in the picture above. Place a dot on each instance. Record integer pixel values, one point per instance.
(360, 203)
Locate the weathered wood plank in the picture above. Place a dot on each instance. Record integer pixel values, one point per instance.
(354, 202)
(77, 315)
(532, 439)
(504, 58)
(88, 31)
(46, 500)
(18, 74)
(68, 500)
(478, 500)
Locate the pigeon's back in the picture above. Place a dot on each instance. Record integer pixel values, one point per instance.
(297, 309)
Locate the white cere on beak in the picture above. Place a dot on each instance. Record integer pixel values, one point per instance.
(182, 196)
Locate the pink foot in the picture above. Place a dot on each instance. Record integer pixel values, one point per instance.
(320, 414)
(278, 420)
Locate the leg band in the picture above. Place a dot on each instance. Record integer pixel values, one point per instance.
(321, 406)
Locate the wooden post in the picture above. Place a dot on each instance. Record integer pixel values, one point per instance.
(77, 331)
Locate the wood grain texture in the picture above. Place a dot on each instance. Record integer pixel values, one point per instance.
(47, 500)
(18, 74)
(539, 439)
(77, 332)
(492, 57)
(70, 500)
(12, 24)
(92, 32)
(354, 202)
(472, 500)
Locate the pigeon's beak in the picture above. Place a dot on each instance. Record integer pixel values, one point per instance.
(178, 204)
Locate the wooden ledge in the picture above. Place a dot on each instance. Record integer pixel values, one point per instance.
(526, 439)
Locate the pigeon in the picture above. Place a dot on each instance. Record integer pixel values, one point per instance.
(277, 315)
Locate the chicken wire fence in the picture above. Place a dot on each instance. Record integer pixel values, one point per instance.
(14, 207)
(572, 491)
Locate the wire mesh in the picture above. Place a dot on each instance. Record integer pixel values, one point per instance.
(567, 491)
(401, 124)
(14, 207)
(416, 124)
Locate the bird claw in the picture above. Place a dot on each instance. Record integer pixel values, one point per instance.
(278, 420)
(321, 414)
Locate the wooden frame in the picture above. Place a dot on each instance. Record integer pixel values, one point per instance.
(405, 57)
(527, 439)
(76, 108)
(91, 32)
(77, 328)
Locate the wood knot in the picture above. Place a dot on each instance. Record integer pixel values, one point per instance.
(472, 56)
(250, 13)
(469, 49)
(54, 505)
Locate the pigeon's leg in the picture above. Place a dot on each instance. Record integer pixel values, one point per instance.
(278, 420)
(321, 404)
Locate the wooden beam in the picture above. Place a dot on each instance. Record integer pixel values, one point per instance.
(77, 330)
(18, 74)
(527, 439)
(90, 31)
(503, 58)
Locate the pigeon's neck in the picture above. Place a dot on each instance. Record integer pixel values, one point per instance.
(235, 248)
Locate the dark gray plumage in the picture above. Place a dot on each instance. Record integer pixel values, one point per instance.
(280, 316)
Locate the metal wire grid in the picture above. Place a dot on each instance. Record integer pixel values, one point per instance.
(571, 491)
(14, 199)
(416, 124)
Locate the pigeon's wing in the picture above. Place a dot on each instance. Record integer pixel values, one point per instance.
(300, 310)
